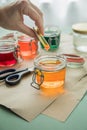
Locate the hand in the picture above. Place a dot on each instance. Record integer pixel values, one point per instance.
(11, 17)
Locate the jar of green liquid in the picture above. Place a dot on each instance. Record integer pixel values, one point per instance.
(52, 35)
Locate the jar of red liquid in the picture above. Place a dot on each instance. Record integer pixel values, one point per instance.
(28, 46)
(49, 74)
(8, 53)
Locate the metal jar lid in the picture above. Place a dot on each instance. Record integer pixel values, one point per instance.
(80, 28)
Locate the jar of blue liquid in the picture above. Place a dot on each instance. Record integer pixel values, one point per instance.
(52, 36)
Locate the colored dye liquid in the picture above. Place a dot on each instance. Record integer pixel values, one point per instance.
(8, 59)
(52, 36)
(53, 81)
(28, 48)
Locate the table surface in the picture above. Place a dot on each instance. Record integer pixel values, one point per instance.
(76, 121)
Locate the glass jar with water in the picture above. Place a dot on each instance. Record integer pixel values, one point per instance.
(80, 37)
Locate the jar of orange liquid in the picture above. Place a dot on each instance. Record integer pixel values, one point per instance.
(28, 46)
(49, 74)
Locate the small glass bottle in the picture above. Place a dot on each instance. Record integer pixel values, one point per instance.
(80, 37)
(49, 74)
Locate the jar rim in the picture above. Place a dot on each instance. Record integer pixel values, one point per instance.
(40, 63)
(52, 30)
(7, 45)
(80, 28)
(7, 48)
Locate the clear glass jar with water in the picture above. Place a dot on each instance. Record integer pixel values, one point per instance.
(80, 37)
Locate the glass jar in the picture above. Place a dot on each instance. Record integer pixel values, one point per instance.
(8, 53)
(49, 74)
(28, 46)
(80, 37)
(52, 35)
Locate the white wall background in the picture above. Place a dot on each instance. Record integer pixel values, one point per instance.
(63, 13)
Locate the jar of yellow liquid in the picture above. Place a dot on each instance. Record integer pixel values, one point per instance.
(49, 74)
